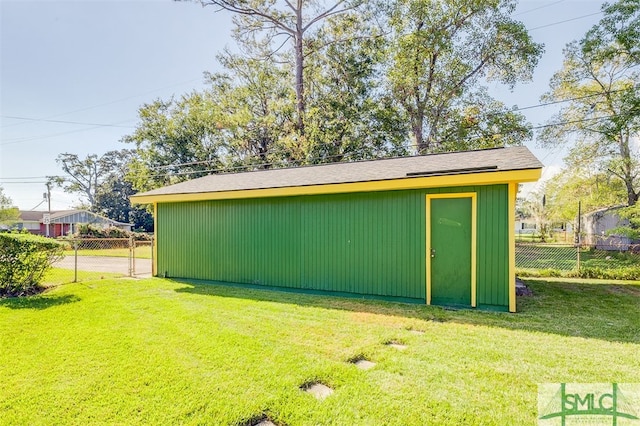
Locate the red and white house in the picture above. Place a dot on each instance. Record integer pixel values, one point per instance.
(62, 222)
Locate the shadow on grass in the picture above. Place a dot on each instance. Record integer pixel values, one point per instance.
(588, 310)
(38, 302)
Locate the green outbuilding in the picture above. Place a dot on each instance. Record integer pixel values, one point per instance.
(436, 229)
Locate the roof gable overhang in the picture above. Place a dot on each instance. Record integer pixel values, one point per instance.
(418, 182)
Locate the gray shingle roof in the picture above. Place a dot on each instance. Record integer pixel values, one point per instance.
(488, 160)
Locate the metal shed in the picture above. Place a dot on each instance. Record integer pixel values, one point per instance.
(434, 229)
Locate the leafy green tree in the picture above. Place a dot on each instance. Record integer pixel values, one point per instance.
(242, 120)
(8, 212)
(278, 24)
(598, 89)
(257, 111)
(102, 183)
(113, 201)
(592, 189)
(441, 52)
(177, 140)
(535, 208)
(617, 33)
(85, 176)
(349, 117)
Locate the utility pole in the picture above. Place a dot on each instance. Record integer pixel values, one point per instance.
(48, 221)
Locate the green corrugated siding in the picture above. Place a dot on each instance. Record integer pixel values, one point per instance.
(362, 243)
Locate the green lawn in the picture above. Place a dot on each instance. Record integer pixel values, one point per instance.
(157, 351)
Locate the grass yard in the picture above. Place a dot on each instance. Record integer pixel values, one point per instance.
(158, 351)
(58, 276)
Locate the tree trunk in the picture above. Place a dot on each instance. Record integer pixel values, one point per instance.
(418, 133)
(300, 104)
(627, 169)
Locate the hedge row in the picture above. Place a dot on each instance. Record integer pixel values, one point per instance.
(92, 231)
(24, 259)
(620, 273)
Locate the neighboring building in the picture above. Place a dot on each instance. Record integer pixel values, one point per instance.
(597, 225)
(526, 226)
(62, 222)
(435, 229)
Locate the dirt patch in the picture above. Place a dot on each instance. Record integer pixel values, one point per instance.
(6, 293)
(626, 290)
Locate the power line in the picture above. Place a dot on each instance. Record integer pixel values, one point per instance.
(39, 204)
(569, 100)
(13, 117)
(28, 139)
(538, 8)
(26, 177)
(109, 102)
(23, 182)
(566, 20)
(235, 168)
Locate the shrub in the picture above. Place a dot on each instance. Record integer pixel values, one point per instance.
(621, 273)
(92, 231)
(23, 261)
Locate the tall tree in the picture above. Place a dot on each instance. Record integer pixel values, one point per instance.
(257, 110)
(177, 140)
(441, 52)
(112, 201)
(8, 212)
(587, 186)
(349, 116)
(290, 20)
(600, 116)
(241, 120)
(102, 183)
(617, 33)
(84, 176)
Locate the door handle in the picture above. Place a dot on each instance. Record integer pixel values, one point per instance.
(433, 253)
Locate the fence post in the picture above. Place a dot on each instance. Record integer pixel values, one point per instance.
(131, 260)
(75, 262)
(579, 232)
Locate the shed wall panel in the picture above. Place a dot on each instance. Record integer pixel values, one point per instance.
(362, 243)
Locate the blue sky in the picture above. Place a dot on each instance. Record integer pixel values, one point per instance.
(97, 62)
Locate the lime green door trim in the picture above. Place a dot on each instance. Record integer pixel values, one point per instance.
(154, 248)
(473, 197)
(513, 192)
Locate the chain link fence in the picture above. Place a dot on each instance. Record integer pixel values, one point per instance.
(594, 252)
(105, 257)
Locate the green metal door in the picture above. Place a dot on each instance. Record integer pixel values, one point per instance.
(450, 250)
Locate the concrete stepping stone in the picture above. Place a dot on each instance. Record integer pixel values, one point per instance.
(397, 345)
(364, 364)
(265, 422)
(318, 390)
(414, 331)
